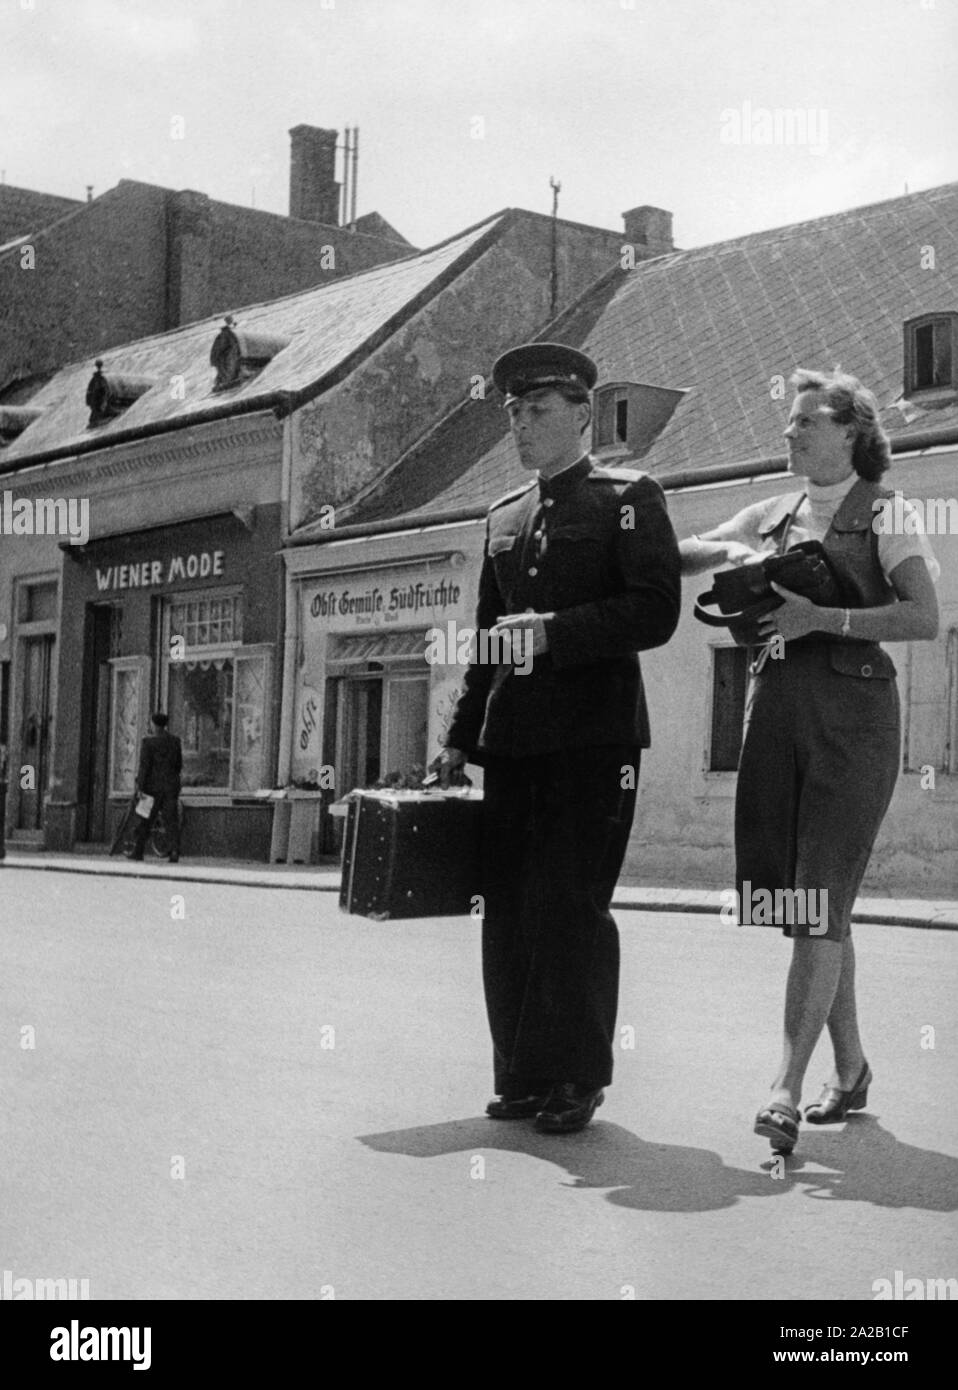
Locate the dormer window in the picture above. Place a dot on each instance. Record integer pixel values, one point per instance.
(931, 353)
(628, 416)
(612, 418)
(14, 419)
(238, 355)
(108, 395)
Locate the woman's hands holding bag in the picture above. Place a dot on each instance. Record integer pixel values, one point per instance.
(795, 618)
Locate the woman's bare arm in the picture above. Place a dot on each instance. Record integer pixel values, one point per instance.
(708, 552)
(913, 619)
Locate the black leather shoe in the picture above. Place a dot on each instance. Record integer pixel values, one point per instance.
(520, 1108)
(568, 1109)
(174, 858)
(833, 1105)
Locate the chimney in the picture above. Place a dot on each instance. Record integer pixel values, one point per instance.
(313, 190)
(189, 257)
(649, 228)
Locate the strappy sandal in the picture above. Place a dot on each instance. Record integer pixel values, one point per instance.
(778, 1123)
(833, 1105)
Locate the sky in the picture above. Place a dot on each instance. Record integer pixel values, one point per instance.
(465, 107)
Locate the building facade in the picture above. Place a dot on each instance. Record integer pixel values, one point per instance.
(190, 458)
(694, 351)
(182, 611)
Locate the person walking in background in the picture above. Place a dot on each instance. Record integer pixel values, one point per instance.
(582, 564)
(158, 776)
(822, 745)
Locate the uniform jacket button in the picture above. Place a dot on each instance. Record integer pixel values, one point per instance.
(549, 502)
(866, 670)
(533, 571)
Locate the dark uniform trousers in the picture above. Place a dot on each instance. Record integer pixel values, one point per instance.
(822, 743)
(592, 550)
(555, 831)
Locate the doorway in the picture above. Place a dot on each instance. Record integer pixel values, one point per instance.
(35, 718)
(101, 643)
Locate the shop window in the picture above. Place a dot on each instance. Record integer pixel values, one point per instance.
(207, 620)
(216, 692)
(38, 602)
(129, 706)
(729, 681)
(199, 701)
(251, 678)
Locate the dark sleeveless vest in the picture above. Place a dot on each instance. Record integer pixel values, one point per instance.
(851, 544)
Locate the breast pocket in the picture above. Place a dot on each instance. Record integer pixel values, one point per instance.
(503, 555)
(576, 557)
(500, 545)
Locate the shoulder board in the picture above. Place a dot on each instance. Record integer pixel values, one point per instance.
(509, 496)
(617, 475)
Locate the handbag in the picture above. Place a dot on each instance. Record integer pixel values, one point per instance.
(744, 595)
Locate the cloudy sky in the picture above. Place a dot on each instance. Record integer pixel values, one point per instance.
(468, 106)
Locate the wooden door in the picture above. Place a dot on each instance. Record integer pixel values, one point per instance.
(34, 730)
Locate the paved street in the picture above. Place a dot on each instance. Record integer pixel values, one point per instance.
(319, 1081)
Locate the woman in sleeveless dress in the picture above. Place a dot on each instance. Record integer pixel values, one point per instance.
(821, 751)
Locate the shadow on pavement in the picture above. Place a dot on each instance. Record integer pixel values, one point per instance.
(866, 1163)
(649, 1177)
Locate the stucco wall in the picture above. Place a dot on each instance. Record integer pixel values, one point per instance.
(351, 434)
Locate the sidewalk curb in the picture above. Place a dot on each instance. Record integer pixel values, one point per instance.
(936, 916)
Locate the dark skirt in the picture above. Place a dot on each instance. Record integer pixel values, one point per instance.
(818, 767)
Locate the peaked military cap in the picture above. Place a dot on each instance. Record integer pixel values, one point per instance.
(536, 365)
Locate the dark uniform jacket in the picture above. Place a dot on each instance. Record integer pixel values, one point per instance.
(594, 548)
(161, 762)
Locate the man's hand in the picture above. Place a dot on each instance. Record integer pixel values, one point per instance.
(739, 554)
(534, 622)
(449, 765)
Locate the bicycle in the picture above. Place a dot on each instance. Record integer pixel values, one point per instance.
(159, 842)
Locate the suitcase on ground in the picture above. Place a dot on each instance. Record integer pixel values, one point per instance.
(411, 854)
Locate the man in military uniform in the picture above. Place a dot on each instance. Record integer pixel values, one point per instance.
(158, 775)
(584, 560)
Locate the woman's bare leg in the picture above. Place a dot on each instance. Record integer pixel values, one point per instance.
(813, 980)
(843, 1025)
